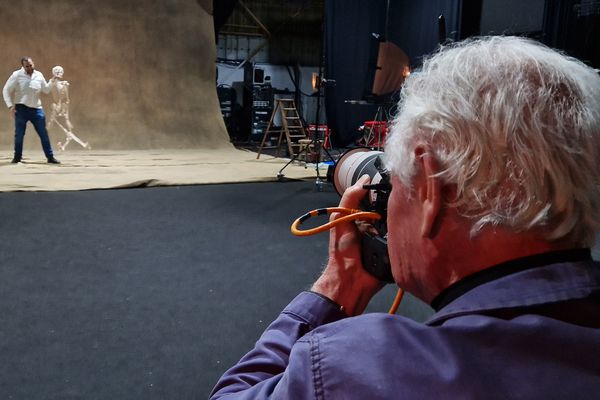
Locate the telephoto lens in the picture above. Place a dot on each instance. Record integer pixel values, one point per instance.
(352, 165)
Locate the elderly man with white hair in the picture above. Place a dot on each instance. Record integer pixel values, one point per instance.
(495, 203)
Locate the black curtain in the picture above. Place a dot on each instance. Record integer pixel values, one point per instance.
(349, 25)
(414, 25)
(573, 26)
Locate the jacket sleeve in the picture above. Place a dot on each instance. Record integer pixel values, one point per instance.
(272, 370)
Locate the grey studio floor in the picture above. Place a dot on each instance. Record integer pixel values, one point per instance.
(149, 293)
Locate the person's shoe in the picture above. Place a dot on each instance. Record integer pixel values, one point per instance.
(16, 160)
(53, 160)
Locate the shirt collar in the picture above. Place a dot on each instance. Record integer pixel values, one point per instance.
(22, 71)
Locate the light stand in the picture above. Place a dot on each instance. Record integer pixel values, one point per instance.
(314, 143)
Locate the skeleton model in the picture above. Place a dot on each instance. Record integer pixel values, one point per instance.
(60, 108)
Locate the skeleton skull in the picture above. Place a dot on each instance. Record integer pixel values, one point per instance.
(58, 72)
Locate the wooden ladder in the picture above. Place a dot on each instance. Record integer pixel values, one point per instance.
(291, 126)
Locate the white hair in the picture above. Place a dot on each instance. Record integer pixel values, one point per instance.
(57, 69)
(515, 127)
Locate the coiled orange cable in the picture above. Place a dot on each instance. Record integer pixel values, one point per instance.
(351, 215)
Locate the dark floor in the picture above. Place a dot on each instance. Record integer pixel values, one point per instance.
(149, 293)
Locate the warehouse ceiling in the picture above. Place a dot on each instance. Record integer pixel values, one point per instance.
(292, 27)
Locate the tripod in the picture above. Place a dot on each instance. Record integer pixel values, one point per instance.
(375, 131)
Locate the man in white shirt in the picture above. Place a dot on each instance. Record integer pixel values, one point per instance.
(22, 96)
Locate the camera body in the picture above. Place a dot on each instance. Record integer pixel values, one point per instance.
(348, 169)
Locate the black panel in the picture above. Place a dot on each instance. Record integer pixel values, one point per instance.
(229, 108)
(574, 26)
(258, 107)
(470, 18)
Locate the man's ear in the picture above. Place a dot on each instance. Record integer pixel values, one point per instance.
(429, 190)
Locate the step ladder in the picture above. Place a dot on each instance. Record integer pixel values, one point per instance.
(291, 127)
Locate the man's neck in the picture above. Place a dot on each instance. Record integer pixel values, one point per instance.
(492, 246)
(495, 272)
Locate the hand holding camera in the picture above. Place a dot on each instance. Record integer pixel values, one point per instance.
(344, 279)
(358, 264)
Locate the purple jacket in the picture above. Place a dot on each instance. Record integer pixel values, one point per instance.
(531, 334)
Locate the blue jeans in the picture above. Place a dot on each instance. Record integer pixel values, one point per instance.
(37, 117)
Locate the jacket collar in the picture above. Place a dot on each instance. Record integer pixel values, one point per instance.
(535, 280)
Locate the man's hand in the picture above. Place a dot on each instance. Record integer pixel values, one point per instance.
(12, 111)
(344, 279)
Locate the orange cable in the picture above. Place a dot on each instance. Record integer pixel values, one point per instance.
(397, 300)
(351, 215)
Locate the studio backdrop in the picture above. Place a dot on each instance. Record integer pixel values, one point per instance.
(141, 73)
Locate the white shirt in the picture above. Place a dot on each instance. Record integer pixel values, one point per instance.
(21, 88)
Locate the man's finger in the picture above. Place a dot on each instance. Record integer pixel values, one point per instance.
(354, 194)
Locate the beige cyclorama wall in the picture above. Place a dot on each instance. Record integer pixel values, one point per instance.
(141, 72)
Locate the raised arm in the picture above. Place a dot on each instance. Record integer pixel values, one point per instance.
(48, 86)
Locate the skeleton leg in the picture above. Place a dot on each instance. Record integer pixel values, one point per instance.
(71, 135)
(52, 116)
(63, 146)
(67, 141)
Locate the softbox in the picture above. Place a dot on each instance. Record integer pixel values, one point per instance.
(388, 67)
